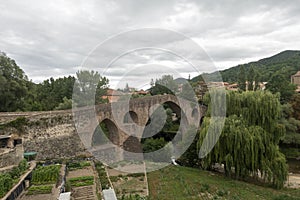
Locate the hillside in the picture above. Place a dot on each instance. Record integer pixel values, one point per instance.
(175, 182)
(265, 67)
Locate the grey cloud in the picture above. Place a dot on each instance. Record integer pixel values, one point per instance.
(52, 38)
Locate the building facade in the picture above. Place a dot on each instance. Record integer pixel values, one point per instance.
(295, 79)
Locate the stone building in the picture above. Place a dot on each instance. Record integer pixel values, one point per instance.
(11, 151)
(295, 79)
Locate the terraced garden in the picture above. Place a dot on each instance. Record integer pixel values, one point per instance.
(81, 180)
(43, 183)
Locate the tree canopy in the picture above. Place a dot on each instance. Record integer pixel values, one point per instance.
(17, 93)
(164, 85)
(279, 83)
(89, 88)
(13, 84)
(248, 145)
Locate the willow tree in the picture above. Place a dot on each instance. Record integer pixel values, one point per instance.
(248, 145)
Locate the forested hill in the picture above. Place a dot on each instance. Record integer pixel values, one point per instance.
(287, 62)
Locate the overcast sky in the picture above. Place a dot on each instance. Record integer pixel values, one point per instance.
(54, 38)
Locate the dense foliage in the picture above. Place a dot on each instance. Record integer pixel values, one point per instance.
(17, 93)
(290, 118)
(13, 82)
(161, 128)
(6, 183)
(7, 179)
(100, 168)
(89, 88)
(248, 145)
(49, 94)
(265, 67)
(279, 82)
(164, 85)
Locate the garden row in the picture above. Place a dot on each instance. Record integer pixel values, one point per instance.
(43, 179)
(100, 168)
(8, 179)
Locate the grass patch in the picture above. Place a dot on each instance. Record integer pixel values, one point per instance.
(180, 183)
(78, 165)
(40, 189)
(81, 181)
(102, 175)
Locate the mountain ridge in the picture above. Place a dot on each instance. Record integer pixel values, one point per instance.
(266, 67)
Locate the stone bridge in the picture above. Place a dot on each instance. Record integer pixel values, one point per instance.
(126, 122)
(129, 121)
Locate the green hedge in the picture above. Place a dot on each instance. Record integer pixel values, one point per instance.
(9, 178)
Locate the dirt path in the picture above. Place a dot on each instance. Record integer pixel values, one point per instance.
(293, 181)
(87, 171)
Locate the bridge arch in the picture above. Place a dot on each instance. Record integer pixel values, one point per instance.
(130, 117)
(106, 131)
(174, 107)
(157, 122)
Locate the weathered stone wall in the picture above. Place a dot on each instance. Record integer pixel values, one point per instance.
(11, 156)
(52, 136)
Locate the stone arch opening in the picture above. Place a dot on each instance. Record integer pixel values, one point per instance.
(106, 131)
(163, 125)
(130, 117)
(174, 107)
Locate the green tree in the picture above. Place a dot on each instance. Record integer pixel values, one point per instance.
(165, 85)
(295, 103)
(242, 79)
(249, 140)
(253, 79)
(279, 83)
(190, 157)
(66, 104)
(292, 126)
(13, 84)
(51, 92)
(89, 88)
